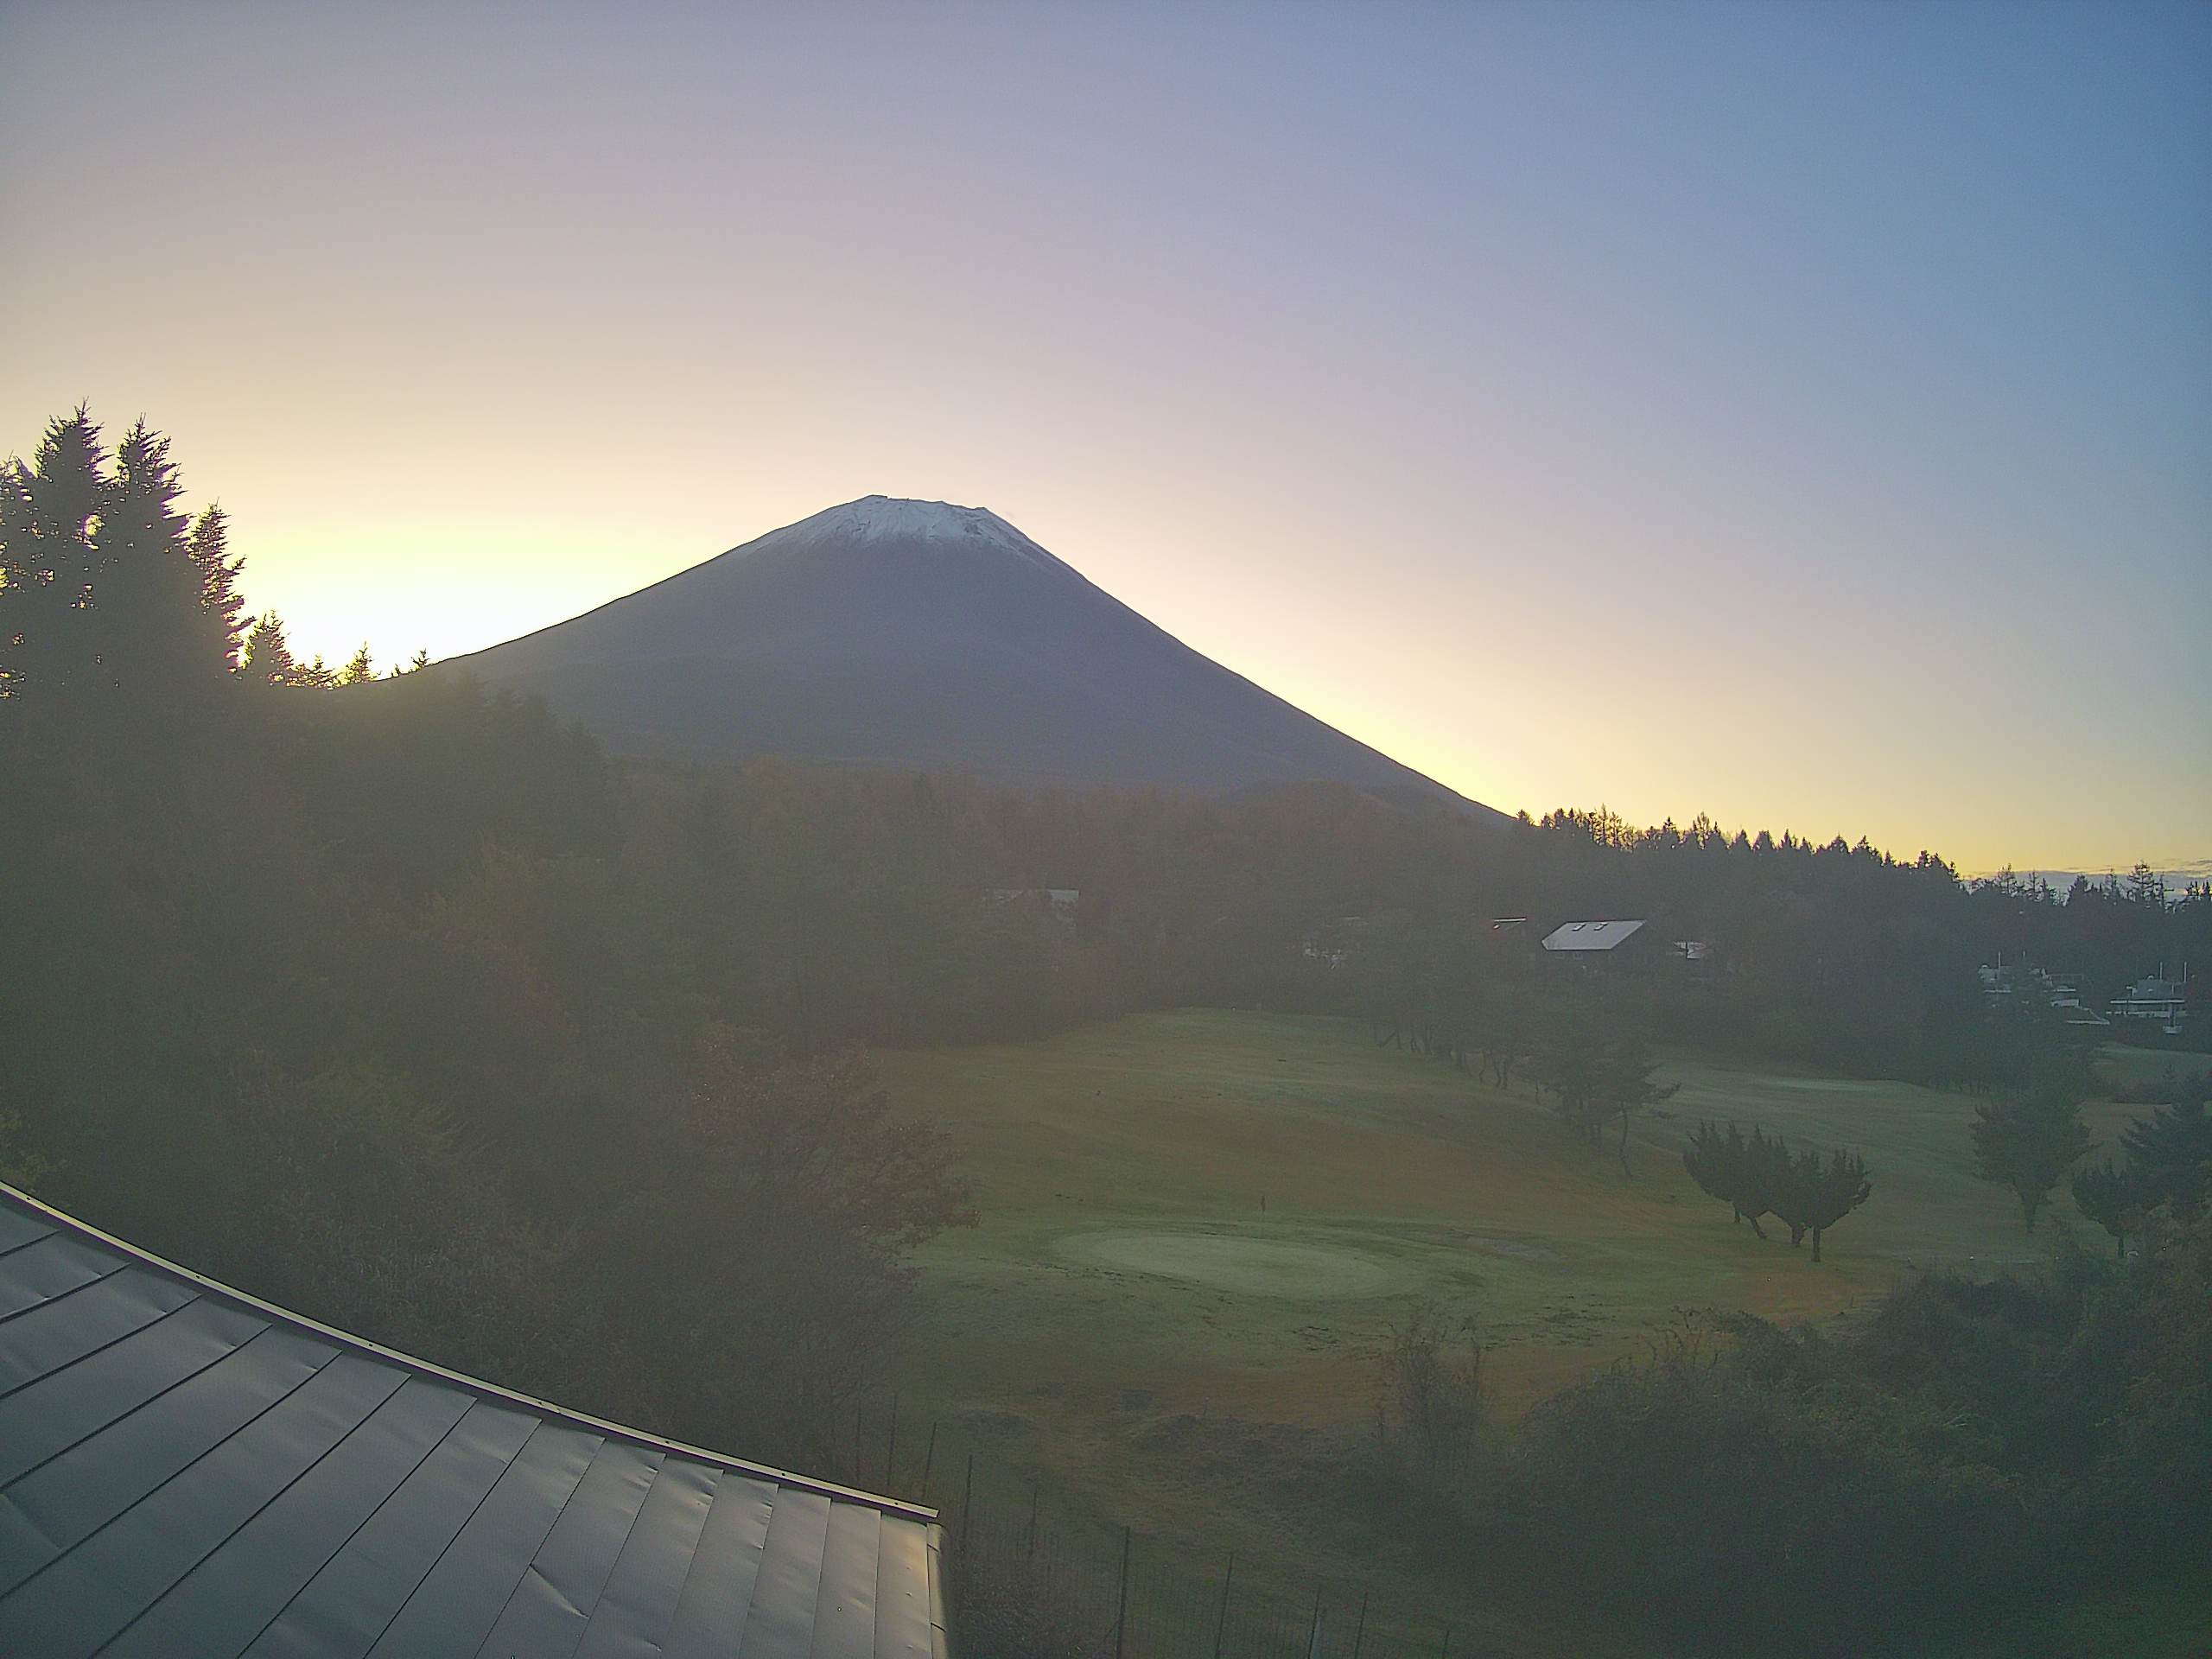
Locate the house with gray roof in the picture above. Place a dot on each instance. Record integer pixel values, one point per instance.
(1579, 939)
(187, 1471)
(1603, 948)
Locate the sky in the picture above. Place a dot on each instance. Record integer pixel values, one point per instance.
(1798, 414)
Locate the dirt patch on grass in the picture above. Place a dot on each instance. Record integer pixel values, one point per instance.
(1248, 1267)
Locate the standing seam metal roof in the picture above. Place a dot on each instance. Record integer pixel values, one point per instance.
(186, 1470)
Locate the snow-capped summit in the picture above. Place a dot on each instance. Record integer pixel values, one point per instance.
(886, 518)
(919, 635)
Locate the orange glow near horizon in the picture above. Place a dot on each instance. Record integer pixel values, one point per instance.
(1567, 414)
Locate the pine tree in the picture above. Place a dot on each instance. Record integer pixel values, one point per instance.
(2169, 1154)
(146, 590)
(358, 669)
(2025, 1144)
(1714, 1160)
(222, 608)
(48, 509)
(1627, 1087)
(102, 591)
(2109, 1196)
(1815, 1194)
(266, 658)
(1747, 1175)
(2146, 889)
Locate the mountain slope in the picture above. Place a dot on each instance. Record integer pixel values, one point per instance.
(914, 634)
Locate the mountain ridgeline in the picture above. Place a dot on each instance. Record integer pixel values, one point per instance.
(915, 635)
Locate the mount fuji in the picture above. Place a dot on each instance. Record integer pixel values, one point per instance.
(917, 635)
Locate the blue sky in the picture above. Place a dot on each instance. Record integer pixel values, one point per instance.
(1801, 414)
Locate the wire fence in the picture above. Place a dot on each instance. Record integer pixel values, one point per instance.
(1033, 1578)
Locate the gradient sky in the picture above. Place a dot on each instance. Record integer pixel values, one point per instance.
(1801, 413)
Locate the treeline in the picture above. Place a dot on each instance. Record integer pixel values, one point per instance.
(1835, 955)
(2106, 933)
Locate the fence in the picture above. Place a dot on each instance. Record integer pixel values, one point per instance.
(1031, 1578)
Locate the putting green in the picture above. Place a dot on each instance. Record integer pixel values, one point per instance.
(1260, 1267)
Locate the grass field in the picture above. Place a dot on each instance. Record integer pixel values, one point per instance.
(1197, 1228)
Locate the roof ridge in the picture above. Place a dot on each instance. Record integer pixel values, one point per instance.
(348, 1341)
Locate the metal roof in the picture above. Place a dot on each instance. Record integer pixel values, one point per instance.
(185, 1470)
(1589, 936)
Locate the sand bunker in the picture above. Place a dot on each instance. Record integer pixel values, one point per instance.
(1255, 1267)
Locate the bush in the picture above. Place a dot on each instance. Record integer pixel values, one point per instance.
(1764, 1491)
(1437, 1391)
(1983, 1456)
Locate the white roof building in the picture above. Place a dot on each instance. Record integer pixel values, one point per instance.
(1590, 936)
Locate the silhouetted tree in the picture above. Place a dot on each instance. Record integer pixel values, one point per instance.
(222, 608)
(793, 1194)
(1747, 1174)
(2169, 1156)
(47, 510)
(1815, 1194)
(2108, 1195)
(1438, 1391)
(1713, 1159)
(105, 600)
(148, 593)
(1571, 1062)
(1626, 1086)
(1504, 1024)
(267, 658)
(2024, 1144)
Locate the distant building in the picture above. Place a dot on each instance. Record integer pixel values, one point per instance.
(1060, 902)
(2002, 982)
(2006, 980)
(1601, 947)
(2065, 995)
(1591, 938)
(2166, 1001)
